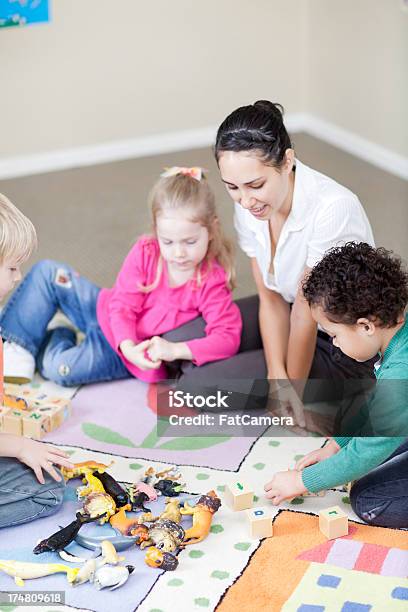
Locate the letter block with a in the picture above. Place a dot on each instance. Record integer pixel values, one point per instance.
(333, 522)
(260, 522)
(239, 495)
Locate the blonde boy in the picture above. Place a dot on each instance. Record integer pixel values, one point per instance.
(25, 493)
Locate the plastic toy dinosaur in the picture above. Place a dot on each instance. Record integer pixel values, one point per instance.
(81, 468)
(202, 514)
(19, 570)
(92, 485)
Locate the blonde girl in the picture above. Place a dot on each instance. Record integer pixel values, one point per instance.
(171, 302)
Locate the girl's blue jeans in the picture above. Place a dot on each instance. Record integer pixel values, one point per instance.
(381, 496)
(48, 287)
(22, 497)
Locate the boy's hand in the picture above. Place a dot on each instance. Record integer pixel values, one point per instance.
(136, 354)
(285, 485)
(164, 350)
(39, 456)
(318, 455)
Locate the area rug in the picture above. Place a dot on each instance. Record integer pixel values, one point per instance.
(121, 418)
(296, 569)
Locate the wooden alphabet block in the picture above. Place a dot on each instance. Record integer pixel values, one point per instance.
(41, 412)
(318, 494)
(260, 522)
(3, 411)
(333, 522)
(239, 495)
(36, 425)
(58, 414)
(12, 422)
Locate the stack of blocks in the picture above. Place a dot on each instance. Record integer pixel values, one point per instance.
(31, 413)
(239, 496)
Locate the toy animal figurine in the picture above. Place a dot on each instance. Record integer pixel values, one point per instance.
(86, 573)
(165, 535)
(171, 510)
(88, 570)
(92, 485)
(149, 475)
(70, 558)
(168, 487)
(60, 539)
(163, 560)
(171, 473)
(114, 489)
(24, 571)
(124, 525)
(138, 501)
(142, 487)
(94, 543)
(100, 504)
(109, 554)
(79, 469)
(202, 513)
(146, 517)
(114, 577)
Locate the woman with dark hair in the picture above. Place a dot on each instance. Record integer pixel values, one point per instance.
(286, 217)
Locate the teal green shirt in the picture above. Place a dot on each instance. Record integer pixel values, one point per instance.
(358, 456)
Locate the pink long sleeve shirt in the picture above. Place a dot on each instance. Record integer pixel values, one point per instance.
(126, 313)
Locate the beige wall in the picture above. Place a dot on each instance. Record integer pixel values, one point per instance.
(358, 67)
(104, 70)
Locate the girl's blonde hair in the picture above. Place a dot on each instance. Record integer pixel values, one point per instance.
(18, 238)
(182, 191)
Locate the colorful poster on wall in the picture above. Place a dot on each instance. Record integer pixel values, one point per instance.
(22, 12)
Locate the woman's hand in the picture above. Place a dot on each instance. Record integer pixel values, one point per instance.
(284, 399)
(318, 455)
(163, 350)
(138, 354)
(284, 485)
(39, 457)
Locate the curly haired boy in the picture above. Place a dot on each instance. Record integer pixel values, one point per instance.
(358, 295)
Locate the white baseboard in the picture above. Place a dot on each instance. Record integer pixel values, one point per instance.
(356, 145)
(171, 142)
(156, 144)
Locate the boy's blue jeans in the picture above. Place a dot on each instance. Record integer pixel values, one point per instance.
(52, 286)
(22, 497)
(381, 496)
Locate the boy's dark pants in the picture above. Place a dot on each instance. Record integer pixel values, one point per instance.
(381, 496)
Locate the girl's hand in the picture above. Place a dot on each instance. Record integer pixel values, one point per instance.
(39, 456)
(285, 485)
(164, 350)
(318, 455)
(137, 354)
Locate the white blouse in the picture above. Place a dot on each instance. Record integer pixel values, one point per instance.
(324, 214)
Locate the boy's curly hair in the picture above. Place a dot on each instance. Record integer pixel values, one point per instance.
(357, 280)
